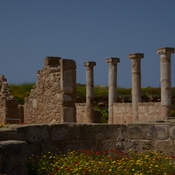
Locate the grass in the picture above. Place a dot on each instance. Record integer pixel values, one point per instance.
(84, 162)
(21, 91)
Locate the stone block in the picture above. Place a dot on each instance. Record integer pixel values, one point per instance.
(147, 131)
(67, 132)
(162, 132)
(67, 98)
(69, 81)
(13, 157)
(69, 114)
(135, 132)
(103, 131)
(52, 61)
(172, 132)
(33, 133)
(139, 145)
(68, 64)
(165, 146)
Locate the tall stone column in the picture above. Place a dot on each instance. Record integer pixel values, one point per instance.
(112, 83)
(165, 79)
(136, 82)
(90, 90)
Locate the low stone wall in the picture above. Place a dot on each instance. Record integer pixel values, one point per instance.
(122, 112)
(81, 115)
(18, 142)
(149, 111)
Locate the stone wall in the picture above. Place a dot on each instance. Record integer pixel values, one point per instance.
(146, 112)
(10, 110)
(81, 112)
(122, 113)
(81, 115)
(53, 98)
(149, 111)
(18, 142)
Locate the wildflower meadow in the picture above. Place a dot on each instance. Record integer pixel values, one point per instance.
(88, 162)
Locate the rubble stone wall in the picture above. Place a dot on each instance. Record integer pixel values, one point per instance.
(10, 110)
(53, 97)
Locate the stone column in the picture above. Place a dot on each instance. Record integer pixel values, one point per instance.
(165, 79)
(136, 82)
(112, 83)
(68, 90)
(90, 90)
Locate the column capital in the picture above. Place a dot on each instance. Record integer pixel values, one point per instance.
(113, 60)
(90, 64)
(165, 50)
(136, 55)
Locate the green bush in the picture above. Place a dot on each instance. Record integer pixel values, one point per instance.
(21, 91)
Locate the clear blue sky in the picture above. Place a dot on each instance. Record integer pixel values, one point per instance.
(85, 30)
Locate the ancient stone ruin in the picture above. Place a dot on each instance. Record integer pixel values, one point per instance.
(10, 110)
(138, 126)
(53, 98)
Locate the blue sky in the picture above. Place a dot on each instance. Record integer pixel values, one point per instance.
(85, 30)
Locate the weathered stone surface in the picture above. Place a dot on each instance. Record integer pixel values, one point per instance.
(38, 139)
(162, 132)
(136, 82)
(52, 99)
(165, 146)
(135, 132)
(112, 83)
(165, 79)
(13, 157)
(7, 134)
(10, 110)
(172, 132)
(147, 131)
(33, 134)
(51, 61)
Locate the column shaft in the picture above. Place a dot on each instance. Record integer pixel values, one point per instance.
(136, 82)
(165, 79)
(90, 90)
(112, 83)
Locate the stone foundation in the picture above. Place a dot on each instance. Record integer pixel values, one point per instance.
(19, 142)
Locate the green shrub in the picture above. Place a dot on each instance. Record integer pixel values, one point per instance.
(21, 91)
